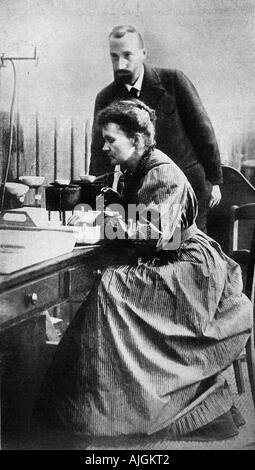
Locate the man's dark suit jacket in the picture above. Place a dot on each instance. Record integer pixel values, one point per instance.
(183, 129)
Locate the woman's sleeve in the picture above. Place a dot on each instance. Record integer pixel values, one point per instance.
(161, 202)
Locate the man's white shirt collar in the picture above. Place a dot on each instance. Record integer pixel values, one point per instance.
(138, 83)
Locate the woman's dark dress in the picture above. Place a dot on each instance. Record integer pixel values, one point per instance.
(146, 348)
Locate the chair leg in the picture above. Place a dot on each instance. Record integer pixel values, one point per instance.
(239, 376)
(250, 357)
(2, 365)
(0, 403)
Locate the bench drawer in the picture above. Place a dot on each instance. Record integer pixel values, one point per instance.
(82, 278)
(37, 295)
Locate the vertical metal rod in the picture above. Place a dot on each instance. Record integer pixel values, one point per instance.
(37, 147)
(18, 145)
(0, 84)
(72, 152)
(55, 149)
(86, 156)
(5, 176)
(63, 218)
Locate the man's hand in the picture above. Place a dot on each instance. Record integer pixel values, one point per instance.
(215, 196)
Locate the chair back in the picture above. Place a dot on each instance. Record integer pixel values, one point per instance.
(246, 258)
(237, 233)
(236, 189)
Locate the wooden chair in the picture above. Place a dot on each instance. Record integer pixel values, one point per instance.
(236, 189)
(244, 214)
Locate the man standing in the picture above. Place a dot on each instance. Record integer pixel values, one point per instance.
(183, 129)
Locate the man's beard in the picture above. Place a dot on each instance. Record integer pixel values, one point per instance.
(123, 77)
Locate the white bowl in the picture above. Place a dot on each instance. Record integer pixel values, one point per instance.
(88, 178)
(62, 182)
(35, 181)
(16, 189)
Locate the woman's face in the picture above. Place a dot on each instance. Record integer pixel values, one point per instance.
(118, 146)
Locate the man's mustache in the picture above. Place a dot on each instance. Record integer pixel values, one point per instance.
(122, 72)
(122, 75)
(107, 153)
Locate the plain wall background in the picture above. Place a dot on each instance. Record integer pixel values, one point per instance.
(212, 41)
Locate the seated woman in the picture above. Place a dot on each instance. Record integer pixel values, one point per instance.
(145, 350)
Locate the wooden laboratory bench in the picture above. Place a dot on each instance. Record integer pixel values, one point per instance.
(24, 354)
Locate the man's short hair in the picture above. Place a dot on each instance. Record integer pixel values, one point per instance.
(120, 31)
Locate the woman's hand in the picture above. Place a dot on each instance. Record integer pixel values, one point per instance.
(75, 219)
(111, 221)
(110, 196)
(114, 227)
(82, 218)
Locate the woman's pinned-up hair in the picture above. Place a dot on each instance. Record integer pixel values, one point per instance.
(132, 116)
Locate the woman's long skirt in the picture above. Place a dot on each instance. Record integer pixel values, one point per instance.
(145, 350)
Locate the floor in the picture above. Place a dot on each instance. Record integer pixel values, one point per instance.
(244, 441)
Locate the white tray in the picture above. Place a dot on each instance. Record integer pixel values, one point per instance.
(20, 248)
